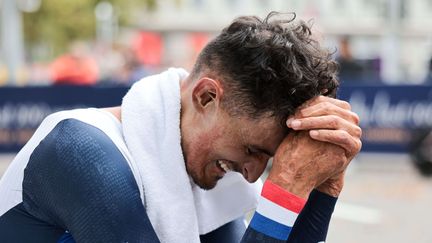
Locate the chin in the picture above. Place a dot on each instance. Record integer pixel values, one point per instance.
(205, 183)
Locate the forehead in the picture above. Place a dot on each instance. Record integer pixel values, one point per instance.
(265, 133)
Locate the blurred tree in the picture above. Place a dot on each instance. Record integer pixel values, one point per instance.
(57, 23)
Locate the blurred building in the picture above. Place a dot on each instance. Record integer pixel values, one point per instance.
(390, 39)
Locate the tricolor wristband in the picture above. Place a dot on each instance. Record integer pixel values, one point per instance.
(277, 211)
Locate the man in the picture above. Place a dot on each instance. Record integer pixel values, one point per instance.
(171, 164)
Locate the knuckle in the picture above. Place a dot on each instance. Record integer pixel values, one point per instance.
(334, 121)
(301, 113)
(345, 105)
(320, 98)
(358, 132)
(326, 106)
(359, 145)
(310, 102)
(344, 136)
(325, 102)
(355, 118)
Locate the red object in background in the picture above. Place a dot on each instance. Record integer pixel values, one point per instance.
(198, 41)
(148, 48)
(72, 70)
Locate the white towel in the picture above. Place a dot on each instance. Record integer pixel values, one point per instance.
(178, 209)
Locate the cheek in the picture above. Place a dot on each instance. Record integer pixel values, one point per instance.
(230, 147)
(201, 149)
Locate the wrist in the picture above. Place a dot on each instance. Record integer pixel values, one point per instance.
(299, 187)
(331, 191)
(277, 211)
(333, 186)
(280, 196)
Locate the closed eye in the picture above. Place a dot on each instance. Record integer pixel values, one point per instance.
(251, 151)
(255, 150)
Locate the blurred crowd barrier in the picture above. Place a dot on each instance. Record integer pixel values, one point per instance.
(393, 118)
(23, 109)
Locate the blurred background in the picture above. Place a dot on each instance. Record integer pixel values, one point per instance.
(65, 54)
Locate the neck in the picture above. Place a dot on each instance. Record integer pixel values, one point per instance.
(116, 111)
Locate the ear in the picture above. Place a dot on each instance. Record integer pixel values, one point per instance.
(206, 94)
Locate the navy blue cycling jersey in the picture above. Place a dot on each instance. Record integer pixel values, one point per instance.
(78, 187)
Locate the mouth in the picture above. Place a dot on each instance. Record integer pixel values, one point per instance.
(224, 166)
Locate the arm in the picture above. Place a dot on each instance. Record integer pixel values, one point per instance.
(314, 158)
(313, 222)
(275, 215)
(230, 232)
(314, 225)
(333, 122)
(306, 160)
(279, 209)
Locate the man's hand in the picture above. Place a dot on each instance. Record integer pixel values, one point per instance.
(301, 163)
(330, 120)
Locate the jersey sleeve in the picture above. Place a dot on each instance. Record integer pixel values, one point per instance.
(284, 217)
(313, 222)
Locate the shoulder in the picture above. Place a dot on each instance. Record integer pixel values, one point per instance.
(79, 158)
(74, 141)
(73, 134)
(78, 179)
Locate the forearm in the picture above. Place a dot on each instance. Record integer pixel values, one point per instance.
(274, 218)
(277, 217)
(313, 222)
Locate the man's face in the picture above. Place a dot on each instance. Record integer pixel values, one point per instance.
(222, 143)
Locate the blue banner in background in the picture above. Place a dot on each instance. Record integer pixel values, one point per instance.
(23, 109)
(390, 115)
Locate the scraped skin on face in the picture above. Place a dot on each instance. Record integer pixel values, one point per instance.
(215, 142)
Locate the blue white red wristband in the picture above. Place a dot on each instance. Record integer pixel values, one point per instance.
(277, 211)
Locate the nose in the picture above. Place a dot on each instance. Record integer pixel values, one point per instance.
(252, 170)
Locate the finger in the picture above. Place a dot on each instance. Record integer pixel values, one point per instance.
(341, 138)
(320, 99)
(326, 108)
(323, 103)
(330, 122)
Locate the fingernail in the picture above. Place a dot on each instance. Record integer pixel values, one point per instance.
(288, 122)
(295, 123)
(314, 133)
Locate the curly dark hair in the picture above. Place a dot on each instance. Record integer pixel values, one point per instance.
(268, 67)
